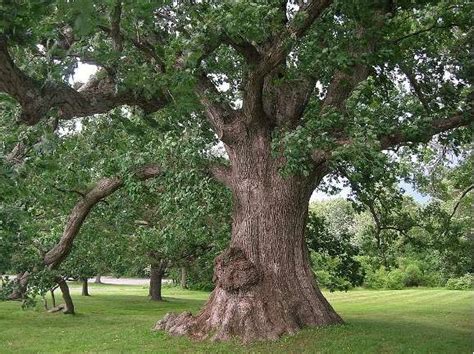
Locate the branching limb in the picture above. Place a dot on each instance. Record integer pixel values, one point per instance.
(82, 194)
(437, 126)
(39, 99)
(101, 190)
(343, 84)
(416, 86)
(275, 54)
(458, 202)
(244, 48)
(220, 114)
(400, 138)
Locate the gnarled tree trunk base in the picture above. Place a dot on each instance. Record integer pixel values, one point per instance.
(60, 308)
(250, 317)
(250, 306)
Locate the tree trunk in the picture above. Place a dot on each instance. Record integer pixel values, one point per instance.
(184, 276)
(53, 298)
(85, 287)
(68, 304)
(98, 279)
(21, 286)
(264, 284)
(156, 276)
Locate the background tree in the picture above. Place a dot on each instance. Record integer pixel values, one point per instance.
(330, 236)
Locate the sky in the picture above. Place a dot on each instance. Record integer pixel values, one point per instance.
(85, 71)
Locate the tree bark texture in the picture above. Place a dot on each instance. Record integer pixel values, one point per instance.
(68, 304)
(98, 279)
(264, 284)
(21, 285)
(85, 287)
(156, 276)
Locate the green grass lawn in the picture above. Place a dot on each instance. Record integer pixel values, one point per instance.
(120, 318)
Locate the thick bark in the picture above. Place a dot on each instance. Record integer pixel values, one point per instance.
(68, 307)
(184, 276)
(85, 287)
(156, 277)
(98, 279)
(264, 284)
(21, 285)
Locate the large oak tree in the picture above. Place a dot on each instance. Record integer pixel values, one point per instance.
(296, 91)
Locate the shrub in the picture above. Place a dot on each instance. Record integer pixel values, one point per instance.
(462, 283)
(395, 280)
(413, 276)
(434, 279)
(377, 279)
(327, 280)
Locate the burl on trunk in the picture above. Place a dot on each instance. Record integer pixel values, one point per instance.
(264, 284)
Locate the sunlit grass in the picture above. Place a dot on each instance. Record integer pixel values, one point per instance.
(119, 319)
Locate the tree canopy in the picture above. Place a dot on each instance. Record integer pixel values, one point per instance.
(295, 92)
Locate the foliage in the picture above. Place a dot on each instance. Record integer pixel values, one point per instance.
(185, 200)
(465, 282)
(395, 279)
(328, 235)
(418, 71)
(413, 276)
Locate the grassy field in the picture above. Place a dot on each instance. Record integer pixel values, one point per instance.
(120, 318)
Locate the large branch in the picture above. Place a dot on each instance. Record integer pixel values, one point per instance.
(101, 190)
(115, 18)
(275, 54)
(400, 138)
(220, 114)
(425, 133)
(38, 99)
(244, 48)
(343, 84)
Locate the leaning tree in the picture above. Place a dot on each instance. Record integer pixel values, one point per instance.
(296, 91)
